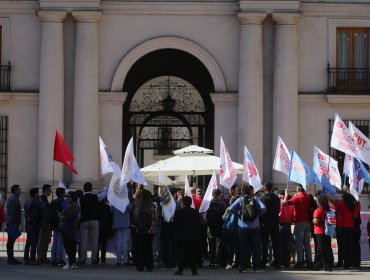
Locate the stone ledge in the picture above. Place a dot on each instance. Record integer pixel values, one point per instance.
(225, 97)
(349, 99)
(19, 97)
(112, 98)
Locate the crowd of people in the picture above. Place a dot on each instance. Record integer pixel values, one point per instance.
(240, 229)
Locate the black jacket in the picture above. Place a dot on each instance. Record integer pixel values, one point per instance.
(186, 224)
(272, 203)
(89, 207)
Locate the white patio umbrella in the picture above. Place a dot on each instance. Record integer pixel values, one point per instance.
(190, 163)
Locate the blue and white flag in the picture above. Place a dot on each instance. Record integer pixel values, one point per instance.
(300, 172)
(106, 161)
(327, 187)
(357, 176)
(167, 201)
(117, 192)
(130, 168)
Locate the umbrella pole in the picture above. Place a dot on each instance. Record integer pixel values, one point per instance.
(194, 183)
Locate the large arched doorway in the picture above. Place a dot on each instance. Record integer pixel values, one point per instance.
(168, 104)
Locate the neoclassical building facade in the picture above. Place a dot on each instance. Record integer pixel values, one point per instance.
(174, 73)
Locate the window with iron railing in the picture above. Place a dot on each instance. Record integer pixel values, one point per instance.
(364, 127)
(3, 153)
(351, 74)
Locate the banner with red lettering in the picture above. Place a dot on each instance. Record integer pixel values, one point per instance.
(227, 171)
(324, 165)
(250, 172)
(362, 143)
(282, 157)
(341, 138)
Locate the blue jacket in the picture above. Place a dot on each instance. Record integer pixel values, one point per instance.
(236, 207)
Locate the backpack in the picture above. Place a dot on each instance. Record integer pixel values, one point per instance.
(330, 223)
(54, 208)
(214, 215)
(249, 211)
(143, 222)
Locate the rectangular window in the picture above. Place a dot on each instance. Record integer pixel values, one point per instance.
(3, 153)
(364, 127)
(352, 58)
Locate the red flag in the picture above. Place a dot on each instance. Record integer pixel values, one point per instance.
(62, 152)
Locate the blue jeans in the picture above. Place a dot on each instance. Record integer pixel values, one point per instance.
(122, 239)
(57, 249)
(249, 242)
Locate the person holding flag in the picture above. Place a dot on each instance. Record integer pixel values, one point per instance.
(248, 208)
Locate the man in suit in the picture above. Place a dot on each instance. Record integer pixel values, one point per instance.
(186, 227)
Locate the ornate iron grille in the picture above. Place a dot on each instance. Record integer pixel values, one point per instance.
(3, 153)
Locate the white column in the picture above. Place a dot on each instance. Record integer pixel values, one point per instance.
(285, 91)
(86, 100)
(250, 103)
(51, 100)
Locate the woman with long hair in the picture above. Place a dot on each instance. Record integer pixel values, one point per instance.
(144, 223)
(323, 240)
(344, 228)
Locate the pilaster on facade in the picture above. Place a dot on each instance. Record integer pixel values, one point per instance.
(251, 18)
(286, 18)
(51, 16)
(87, 16)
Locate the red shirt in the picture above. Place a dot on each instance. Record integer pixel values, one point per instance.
(286, 215)
(197, 202)
(344, 215)
(320, 215)
(302, 203)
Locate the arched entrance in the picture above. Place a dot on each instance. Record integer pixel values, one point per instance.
(168, 105)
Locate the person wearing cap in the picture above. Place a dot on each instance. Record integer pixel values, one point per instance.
(214, 222)
(248, 230)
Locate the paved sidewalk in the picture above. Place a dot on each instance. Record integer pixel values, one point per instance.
(110, 271)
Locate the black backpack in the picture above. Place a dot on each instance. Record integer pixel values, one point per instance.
(143, 222)
(54, 208)
(249, 210)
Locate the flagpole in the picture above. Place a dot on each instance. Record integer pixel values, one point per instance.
(290, 168)
(53, 173)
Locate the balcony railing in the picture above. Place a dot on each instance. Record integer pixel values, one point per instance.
(348, 80)
(5, 77)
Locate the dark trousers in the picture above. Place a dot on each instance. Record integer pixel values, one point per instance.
(144, 251)
(186, 254)
(31, 243)
(202, 250)
(345, 246)
(285, 235)
(215, 246)
(356, 246)
(267, 231)
(70, 245)
(133, 246)
(323, 258)
(10, 248)
(249, 242)
(168, 243)
(102, 245)
(229, 247)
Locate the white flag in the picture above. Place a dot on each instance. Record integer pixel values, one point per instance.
(62, 185)
(168, 203)
(362, 143)
(282, 157)
(341, 138)
(250, 172)
(227, 171)
(324, 165)
(208, 196)
(347, 164)
(117, 192)
(130, 168)
(188, 191)
(106, 161)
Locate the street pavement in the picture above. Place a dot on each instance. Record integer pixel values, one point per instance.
(111, 271)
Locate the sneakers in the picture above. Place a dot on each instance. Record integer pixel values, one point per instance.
(228, 267)
(67, 266)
